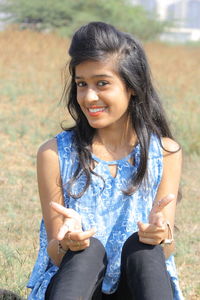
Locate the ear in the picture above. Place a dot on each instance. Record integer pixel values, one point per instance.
(131, 92)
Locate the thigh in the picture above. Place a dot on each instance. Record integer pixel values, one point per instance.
(143, 272)
(80, 274)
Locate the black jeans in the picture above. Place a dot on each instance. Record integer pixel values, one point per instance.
(143, 274)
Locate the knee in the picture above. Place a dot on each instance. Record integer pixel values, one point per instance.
(95, 248)
(95, 244)
(95, 252)
(136, 253)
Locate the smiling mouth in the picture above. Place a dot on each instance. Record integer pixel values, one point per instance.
(96, 110)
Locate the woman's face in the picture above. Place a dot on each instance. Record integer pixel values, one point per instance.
(102, 94)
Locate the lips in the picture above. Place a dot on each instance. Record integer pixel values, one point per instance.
(95, 110)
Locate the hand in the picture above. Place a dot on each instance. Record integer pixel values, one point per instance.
(76, 241)
(71, 234)
(154, 232)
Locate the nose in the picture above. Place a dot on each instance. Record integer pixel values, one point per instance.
(91, 95)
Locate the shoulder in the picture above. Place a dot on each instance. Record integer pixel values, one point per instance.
(51, 147)
(172, 155)
(170, 147)
(48, 152)
(48, 164)
(48, 146)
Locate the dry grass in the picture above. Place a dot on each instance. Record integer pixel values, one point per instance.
(30, 65)
(177, 75)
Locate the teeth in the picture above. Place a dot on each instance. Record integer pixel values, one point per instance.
(93, 110)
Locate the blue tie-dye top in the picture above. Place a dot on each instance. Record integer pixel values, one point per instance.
(105, 207)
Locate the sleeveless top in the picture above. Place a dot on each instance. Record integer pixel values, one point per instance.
(105, 207)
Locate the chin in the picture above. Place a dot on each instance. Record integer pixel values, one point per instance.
(97, 125)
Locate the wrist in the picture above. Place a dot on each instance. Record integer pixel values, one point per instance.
(169, 238)
(52, 250)
(168, 243)
(60, 248)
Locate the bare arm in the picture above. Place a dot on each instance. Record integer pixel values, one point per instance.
(49, 185)
(156, 230)
(61, 223)
(172, 163)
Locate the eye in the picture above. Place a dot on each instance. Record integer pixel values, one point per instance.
(81, 83)
(102, 83)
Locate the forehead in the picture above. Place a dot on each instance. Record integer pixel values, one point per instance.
(92, 68)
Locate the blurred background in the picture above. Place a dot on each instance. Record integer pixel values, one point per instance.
(34, 38)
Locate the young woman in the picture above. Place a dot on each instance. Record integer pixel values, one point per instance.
(108, 186)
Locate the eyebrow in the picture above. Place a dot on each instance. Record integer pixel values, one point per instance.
(95, 76)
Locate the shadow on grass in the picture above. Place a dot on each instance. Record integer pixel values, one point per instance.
(8, 295)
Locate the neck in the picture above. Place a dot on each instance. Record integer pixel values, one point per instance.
(113, 140)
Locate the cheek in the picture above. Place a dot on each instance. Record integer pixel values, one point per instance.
(79, 98)
(124, 99)
(78, 101)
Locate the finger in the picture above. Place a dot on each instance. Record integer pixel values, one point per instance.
(146, 227)
(69, 225)
(80, 236)
(150, 228)
(66, 212)
(63, 231)
(80, 246)
(158, 207)
(157, 238)
(149, 241)
(157, 235)
(77, 245)
(157, 219)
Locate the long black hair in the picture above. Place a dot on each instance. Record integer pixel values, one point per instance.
(97, 41)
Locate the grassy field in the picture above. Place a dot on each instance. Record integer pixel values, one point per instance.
(31, 85)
